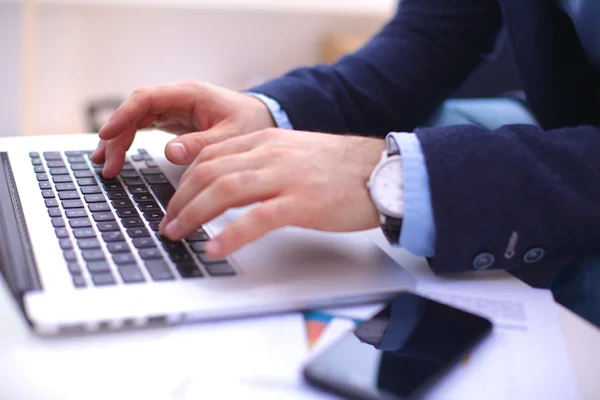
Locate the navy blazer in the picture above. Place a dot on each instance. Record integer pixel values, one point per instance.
(542, 183)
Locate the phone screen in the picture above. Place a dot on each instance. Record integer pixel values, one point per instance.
(400, 352)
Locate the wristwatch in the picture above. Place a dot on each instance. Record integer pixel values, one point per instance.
(387, 191)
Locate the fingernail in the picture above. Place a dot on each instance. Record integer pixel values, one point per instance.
(179, 151)
(173, 230)
(214, 247)
(163, 224)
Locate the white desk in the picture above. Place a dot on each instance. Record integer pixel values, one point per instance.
(143, 362)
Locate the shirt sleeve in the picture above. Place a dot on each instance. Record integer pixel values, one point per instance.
(279, 115)
(418, 226)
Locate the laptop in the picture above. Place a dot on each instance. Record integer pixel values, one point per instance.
(82, 254)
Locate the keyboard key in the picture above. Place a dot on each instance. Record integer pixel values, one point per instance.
(98, 207)
(132, 222)
(86, 182)
(198, 236)
(65, 244)
(151, 171)
(108, 226)
(68, 195)
(138, 197)
(80, 223)
(84, 233)
(93, 255)
(151, 164)
(61, 233)
(56, 164)
(48, 194)
(163, 192)
(45, 185)
(83, 174)
(128, 181)
(79, 167)
(36, 161)
(76, 159)
(150, 254)
(143, 243)
(51, 203)
(113, 186)
(112, 236)
(98, 266)
(72, 204)
(79, 281)
(156, 179)
(52, 155)
(76, 213)
(159, 270)
(34, 154)
(103, 216)
(38, 169)
(180, 257)
(95, 198)
(127, 166)
(153, 215)
(189, 270)
(61, 187)
(74, 268)
(129, 174)
(220, 269)
(54, 212)
(61, 179)
(137, 157)
(198, 247)
(127, 212)
(155, 226)
(59, 171)
(88, 244)
(70, 255)
(117, 195)
(58, 222)
(73, 153)
(42, 177)
(122, 204)
(206, 259)
(103, 279)
(136, 189)
(118, 247)
(148, 206)
(91, 190)
(123, 258)
(137, 232)
(131, 274)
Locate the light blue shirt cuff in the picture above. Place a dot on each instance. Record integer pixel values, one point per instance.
(418, 225)
(279, 115)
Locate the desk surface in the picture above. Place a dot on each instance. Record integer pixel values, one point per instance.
(31, 367)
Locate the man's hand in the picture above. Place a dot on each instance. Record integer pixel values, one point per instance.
(305, 179)
(201, 113)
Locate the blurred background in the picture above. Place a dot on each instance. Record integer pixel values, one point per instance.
(64, 64)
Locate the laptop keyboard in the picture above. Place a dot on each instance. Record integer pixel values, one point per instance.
(108, 228)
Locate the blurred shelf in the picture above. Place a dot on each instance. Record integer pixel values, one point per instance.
(382, 8)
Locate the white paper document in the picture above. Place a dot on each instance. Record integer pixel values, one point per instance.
(525, 357)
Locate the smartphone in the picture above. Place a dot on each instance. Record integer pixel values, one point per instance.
(399, 353)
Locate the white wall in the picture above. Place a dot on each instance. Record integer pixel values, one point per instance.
(90, 51)
(10, 62)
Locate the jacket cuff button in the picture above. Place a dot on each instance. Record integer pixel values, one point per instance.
(534, 255)
(483, 261)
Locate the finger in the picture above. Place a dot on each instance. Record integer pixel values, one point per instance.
(173, 97)
(234, 190)
(184, 149)
(259, 221)
(98, 156)
(206, 173)
(238, 144)
(115, 152)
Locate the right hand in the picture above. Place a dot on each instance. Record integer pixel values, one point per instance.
(200, 113)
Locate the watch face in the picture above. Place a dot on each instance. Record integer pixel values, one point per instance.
(386, 188)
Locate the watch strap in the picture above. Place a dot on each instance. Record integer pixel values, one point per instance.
(391, 229)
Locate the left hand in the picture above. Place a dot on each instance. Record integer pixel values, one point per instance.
(304, 179)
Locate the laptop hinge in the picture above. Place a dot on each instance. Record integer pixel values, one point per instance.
(17, 261)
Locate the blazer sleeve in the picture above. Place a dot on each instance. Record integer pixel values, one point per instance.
(511, 197)
(396, 80)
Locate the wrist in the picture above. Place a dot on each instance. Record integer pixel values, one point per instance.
(261, 112)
